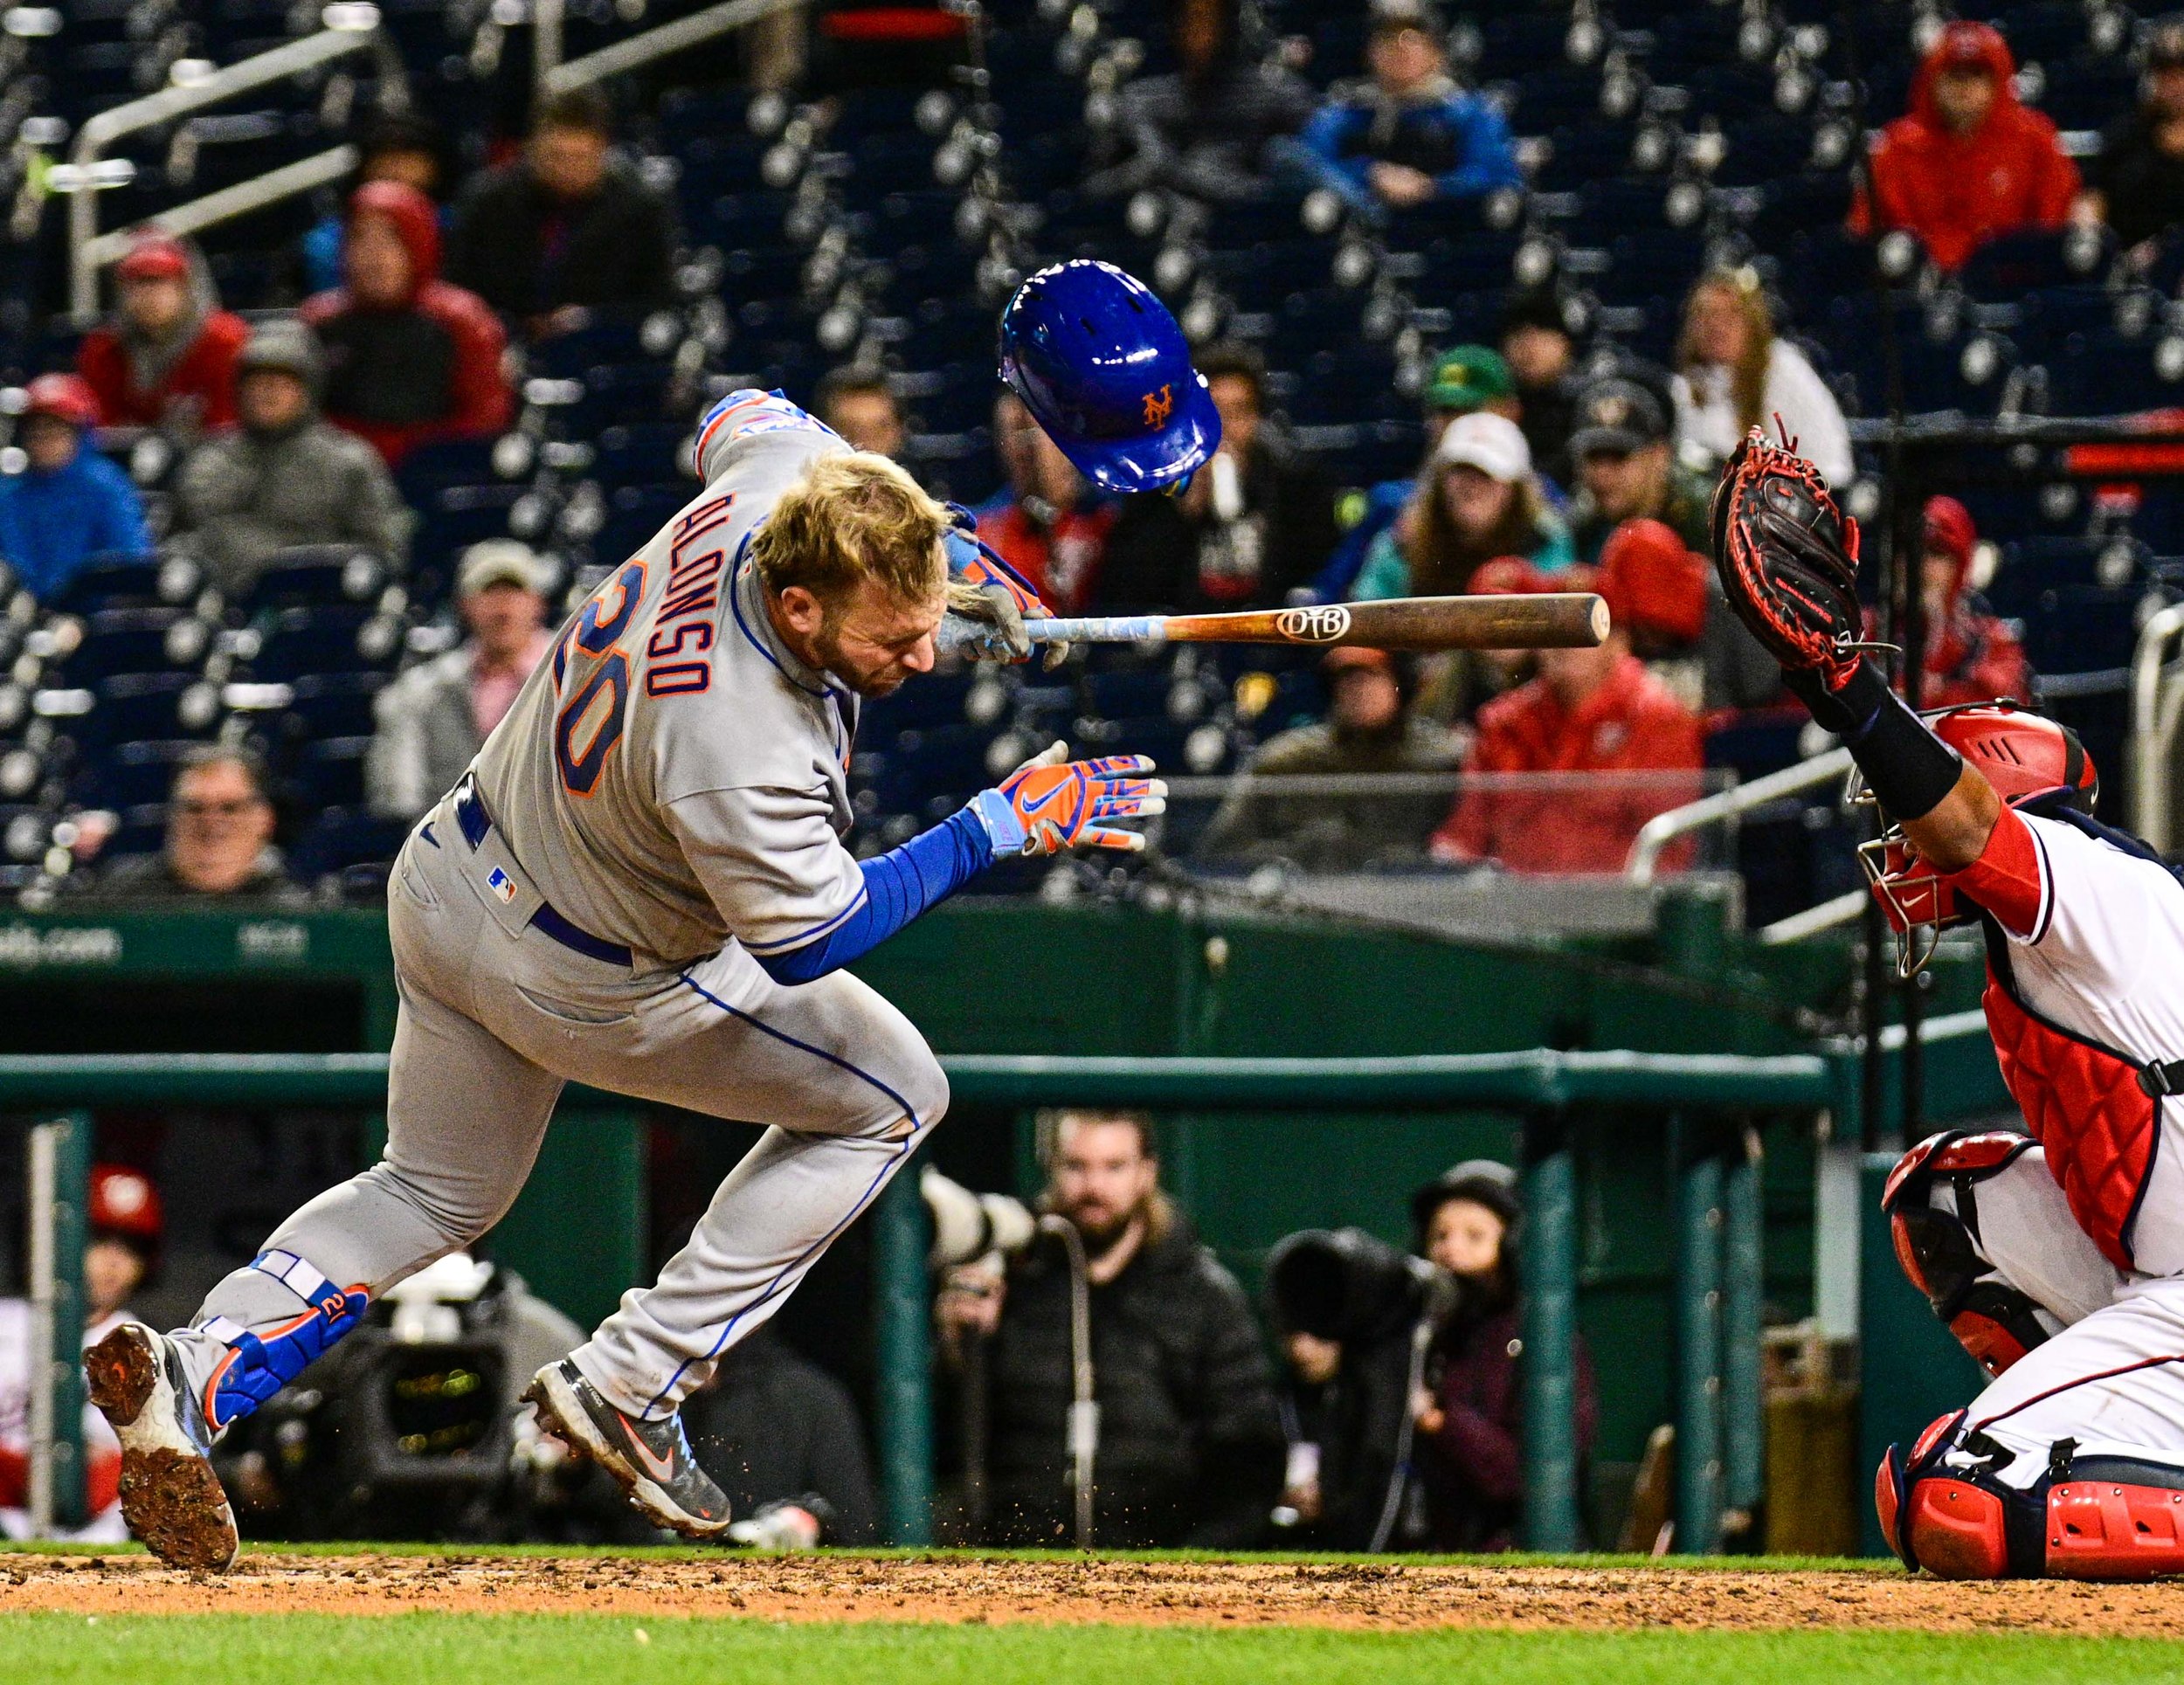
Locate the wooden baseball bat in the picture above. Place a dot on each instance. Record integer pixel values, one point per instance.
(1560, 620)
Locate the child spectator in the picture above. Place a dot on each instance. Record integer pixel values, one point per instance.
(567, 229)
(1480, 501)
(166, 357)
(69, 502)
(1410, 136)
(408, 358)
(1971, 655)
(1969, 161)
(1734, 374)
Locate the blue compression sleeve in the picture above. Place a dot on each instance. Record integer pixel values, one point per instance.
(899, 885)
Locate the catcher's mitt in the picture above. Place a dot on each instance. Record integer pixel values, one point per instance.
(1788, 559)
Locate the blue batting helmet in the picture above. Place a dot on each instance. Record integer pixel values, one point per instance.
(1102, 367)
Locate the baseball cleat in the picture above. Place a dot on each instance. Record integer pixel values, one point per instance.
(170, 1497)
(651, 1462)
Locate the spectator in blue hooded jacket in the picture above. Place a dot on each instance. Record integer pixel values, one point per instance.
(69, 502)
(1411, 136)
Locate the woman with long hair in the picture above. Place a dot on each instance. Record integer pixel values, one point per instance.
(1477, 499)
(1733, 374)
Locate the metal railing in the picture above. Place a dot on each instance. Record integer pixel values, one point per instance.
(1658, 833)
(352, 31)
(553, 77)
(2157, 711)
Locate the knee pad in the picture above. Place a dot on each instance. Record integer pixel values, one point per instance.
(258, 1364)
(1944, 1509)
(1939, 1249)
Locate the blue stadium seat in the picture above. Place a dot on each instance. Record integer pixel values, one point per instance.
(342, 837)
(135, 640)
(111, 580)
(310, 574)
(2104, 373)
(647, 453)
(2006, 268)
(2081, 629)
(134, 707)
(328, 773)
(635, 514)
(296, 642)
(333, 705)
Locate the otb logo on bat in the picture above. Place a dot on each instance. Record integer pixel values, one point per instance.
(1314, 625)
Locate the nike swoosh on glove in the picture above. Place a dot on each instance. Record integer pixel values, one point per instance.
(1050, 804)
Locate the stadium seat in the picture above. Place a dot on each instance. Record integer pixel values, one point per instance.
(313, 574)
(294, 643)
(133, 640)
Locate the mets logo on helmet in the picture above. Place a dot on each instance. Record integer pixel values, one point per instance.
(1158, 406)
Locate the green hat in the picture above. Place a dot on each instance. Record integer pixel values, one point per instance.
(1468, 377)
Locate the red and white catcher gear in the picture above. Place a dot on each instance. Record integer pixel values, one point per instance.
(1946, 1509)
(2023, 755)
(1938, 1242)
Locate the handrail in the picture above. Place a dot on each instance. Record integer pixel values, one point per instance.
(102, 129)
(1663, 829)
(2154, 727)
(1839, 909)
(237, 201)
(642, 49)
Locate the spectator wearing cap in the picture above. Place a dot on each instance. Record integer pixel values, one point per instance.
(166, 357)
(1369, 731)
(68, 502)
(1464, 378)
(1669, 601)
(1045, 521)
(857, 402)
(408, 358)
(1971, 654)
(567, 230)
(1969, 161)
(284, 477)
(1734, 373)
(1409, 136)
(2136, 185)
(1203, 128)
(122, 1225)
(1588, 711)
(1626, 470)
(219, 838)
(1479, 500)
(398, 146)
(1540, 352)
(1254, 524)
(434, 719)
(1470, 1416)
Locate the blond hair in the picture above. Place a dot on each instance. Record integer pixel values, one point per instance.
(852, 517)
(1748, 377)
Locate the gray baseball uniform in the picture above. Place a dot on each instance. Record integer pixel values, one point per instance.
(666, 799)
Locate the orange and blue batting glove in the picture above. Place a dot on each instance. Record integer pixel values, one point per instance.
(988, 600)
(1050, 804)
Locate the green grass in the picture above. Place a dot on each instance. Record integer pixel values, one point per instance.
(597, 1650)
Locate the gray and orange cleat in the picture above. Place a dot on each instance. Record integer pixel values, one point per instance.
(651, 1461)
(170, 1498)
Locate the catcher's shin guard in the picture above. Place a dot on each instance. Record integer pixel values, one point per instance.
(1938, 1250)
(1946, 1510)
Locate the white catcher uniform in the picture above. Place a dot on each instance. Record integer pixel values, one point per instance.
(2073, 1291)
(666, 800)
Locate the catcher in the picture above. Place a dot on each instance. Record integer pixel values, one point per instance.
(2057, 1259)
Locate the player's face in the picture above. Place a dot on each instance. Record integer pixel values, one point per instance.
(1465, 1237)
(1103, 1177)
(875, 642)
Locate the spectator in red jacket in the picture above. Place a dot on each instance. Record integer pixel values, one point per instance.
(1044, 522)
(1971, 655)
(166, 357)
(1969, 161)
(1590, 710)
(408, 358)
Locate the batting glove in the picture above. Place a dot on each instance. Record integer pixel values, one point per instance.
(1050, 804)
(988, 600)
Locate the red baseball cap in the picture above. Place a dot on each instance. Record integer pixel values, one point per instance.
(124, 1201)
(68, 397)
(154, 256)
(1508, 575)
(1653, 582)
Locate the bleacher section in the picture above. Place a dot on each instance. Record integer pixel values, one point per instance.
(885, 226)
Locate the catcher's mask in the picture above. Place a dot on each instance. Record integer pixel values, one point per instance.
(2024, 757)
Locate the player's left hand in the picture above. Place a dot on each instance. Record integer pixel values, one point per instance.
(989, 601)
(1051, 803)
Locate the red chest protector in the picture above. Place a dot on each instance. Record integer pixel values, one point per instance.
(2085, 1103)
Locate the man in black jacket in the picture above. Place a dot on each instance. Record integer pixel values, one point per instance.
(1190, 1448)
(1254, 523)
(566, 230)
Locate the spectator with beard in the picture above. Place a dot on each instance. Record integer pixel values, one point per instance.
(1469, 1416)
(1203, 129)
(1369, 729)
(1045, 523)
(408, 358)
(1190, 1448)
(166, 357)
(1252, 526)
(1627, 470)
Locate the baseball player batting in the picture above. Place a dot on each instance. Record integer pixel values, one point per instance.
(2057, 1259)
(641, 884)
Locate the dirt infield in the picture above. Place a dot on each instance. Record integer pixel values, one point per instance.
(1066, 1588)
